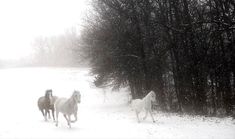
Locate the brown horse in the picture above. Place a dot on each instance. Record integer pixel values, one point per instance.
(46, 103)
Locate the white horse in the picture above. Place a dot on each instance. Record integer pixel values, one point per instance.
(68, 107)
(144, 104)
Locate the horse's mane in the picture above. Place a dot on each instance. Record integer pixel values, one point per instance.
(71, 98)
(148, 95)
(49, 91)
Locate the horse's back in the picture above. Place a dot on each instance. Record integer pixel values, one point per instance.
(59, 103)
(62, 105)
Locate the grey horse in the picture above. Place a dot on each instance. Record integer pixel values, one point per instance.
(68, 107)
(46, 103)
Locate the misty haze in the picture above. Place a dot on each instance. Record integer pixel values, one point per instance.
(117, 69)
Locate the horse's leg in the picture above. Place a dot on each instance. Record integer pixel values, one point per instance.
(49, 116)
(53, 114)
(146, 114)
(57, 115)
(42, 112)
(66, 118)
(152, 116)
(45, 116)
(137, 115)
(69, 120)
(75, 116)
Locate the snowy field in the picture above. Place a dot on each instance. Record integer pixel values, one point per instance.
(97, 117)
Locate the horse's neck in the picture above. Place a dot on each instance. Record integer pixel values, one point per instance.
(147, 100)
(146, 97)
(71, 101)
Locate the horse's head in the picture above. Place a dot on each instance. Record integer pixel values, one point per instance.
(76, 96)
(152, 96)
(48, 95)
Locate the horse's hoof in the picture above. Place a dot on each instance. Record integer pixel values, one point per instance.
(73, 121)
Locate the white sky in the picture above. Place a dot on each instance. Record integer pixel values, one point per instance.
(23, 20)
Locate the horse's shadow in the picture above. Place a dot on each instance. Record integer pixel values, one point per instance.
(48, 121)
(152, 123)
(65, 127)
(61, 126)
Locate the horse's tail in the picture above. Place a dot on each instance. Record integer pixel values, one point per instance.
(39, 103)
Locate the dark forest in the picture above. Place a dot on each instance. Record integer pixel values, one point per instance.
(182, 49)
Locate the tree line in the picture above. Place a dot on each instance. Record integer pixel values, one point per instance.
(58, 50)
(182, 49)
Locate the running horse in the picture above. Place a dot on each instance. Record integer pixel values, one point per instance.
(68, 107)
(46, 103)
(144, 104)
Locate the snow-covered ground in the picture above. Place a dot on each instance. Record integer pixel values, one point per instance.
(97, 117)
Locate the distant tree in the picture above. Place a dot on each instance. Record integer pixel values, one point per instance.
(61, 50)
